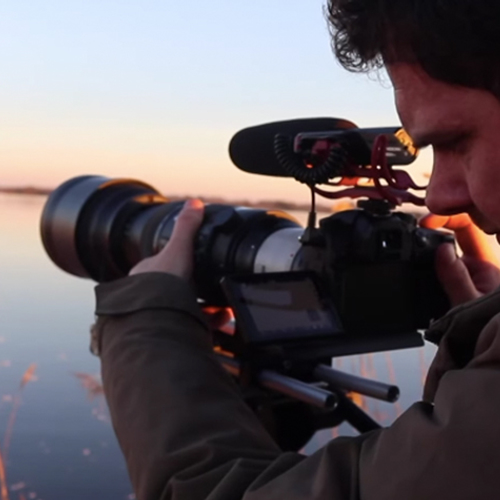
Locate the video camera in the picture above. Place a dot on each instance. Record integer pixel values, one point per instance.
(361, 281)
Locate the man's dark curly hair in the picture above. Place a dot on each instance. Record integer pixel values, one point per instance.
(455, 41)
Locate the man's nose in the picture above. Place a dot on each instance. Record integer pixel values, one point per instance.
(447, 192)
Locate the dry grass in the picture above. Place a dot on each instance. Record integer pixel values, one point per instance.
(91, 384)
(3, 480)
(28, 376)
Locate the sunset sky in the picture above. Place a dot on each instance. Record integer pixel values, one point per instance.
(155, 89)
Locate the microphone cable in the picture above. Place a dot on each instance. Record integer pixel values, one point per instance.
(294, 165)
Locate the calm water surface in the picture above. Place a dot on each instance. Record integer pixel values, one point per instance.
(55, 434)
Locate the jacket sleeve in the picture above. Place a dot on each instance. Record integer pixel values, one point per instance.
(183, 427)
(187, 435)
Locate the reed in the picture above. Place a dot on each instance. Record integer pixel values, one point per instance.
(423, 365)
(91, 384)
(4, 491)
(28, 376)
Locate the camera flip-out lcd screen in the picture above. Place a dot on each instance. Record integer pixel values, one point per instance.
(277, 307)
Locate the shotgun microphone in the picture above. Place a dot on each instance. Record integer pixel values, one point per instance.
(252, 149)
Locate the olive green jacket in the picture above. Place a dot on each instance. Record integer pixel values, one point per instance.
(187, 435)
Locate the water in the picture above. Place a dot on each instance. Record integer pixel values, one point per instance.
(61, 441)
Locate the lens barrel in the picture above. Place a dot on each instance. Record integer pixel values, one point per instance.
(99, 228)
(83, 224)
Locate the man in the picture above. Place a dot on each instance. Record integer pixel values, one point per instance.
(186, 433)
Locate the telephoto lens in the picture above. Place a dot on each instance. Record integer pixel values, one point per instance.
(99, 228)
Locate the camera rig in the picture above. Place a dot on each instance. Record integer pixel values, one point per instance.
(361, 162)
(360, 281)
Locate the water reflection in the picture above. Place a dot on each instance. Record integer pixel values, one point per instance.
(58, 441)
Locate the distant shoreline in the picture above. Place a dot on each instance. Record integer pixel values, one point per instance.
(264, 204)
(28, 190)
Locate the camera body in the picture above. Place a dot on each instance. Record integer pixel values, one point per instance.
(380, 271)
(363, 281)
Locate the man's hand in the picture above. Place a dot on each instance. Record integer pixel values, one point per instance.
(177, 257)
(475, 273)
